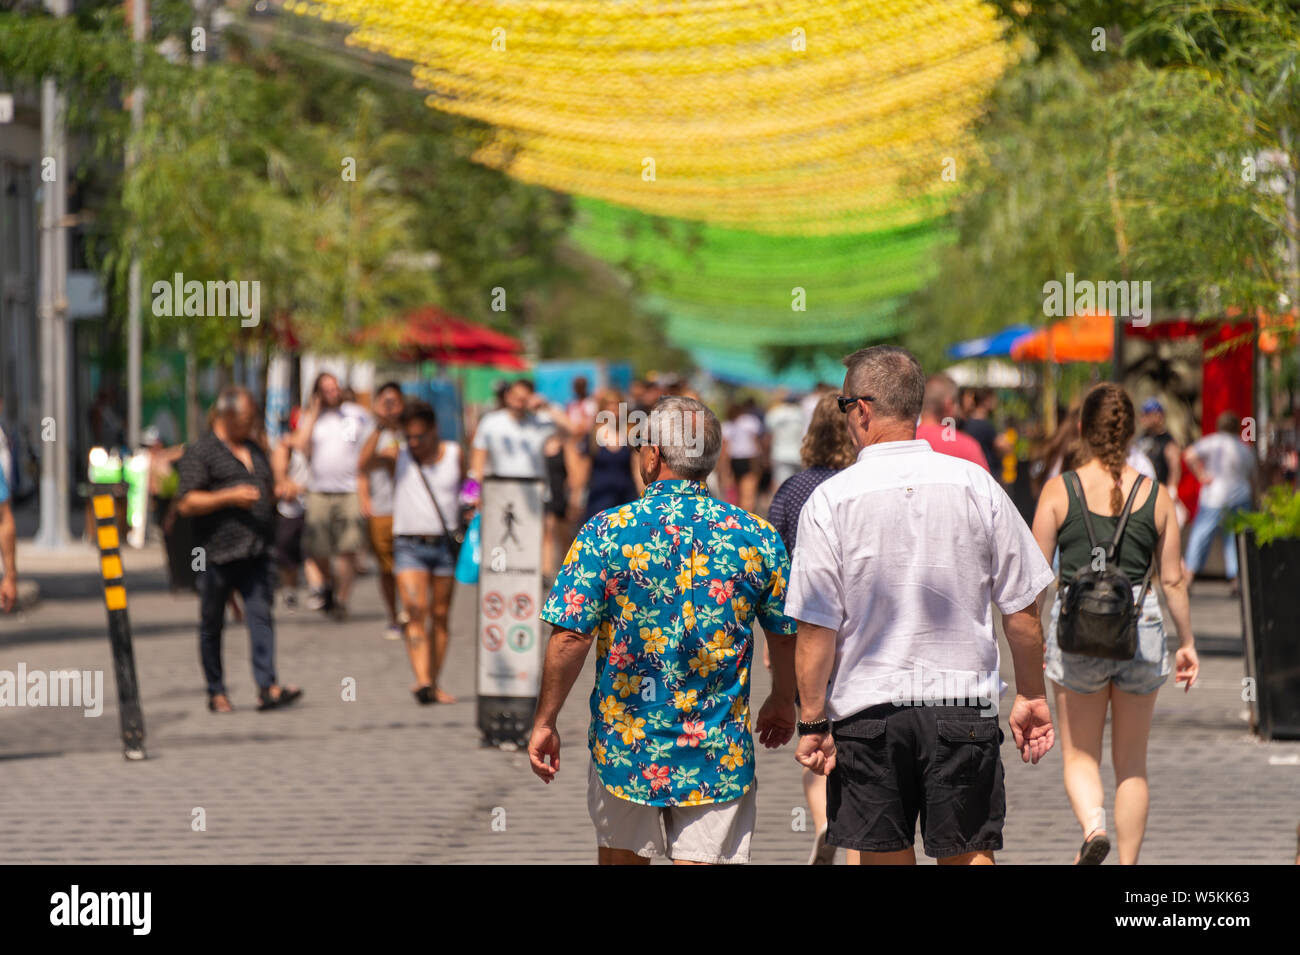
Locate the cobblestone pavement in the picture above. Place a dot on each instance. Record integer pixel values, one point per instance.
(384, 780)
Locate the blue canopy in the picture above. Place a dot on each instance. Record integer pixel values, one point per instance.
(990, 346)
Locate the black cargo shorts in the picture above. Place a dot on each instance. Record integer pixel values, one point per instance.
(894, 763)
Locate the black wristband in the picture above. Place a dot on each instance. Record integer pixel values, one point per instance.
(819, 727)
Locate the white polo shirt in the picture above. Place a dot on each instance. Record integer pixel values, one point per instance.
(904, 555)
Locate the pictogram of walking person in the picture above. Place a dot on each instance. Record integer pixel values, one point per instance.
(510, 520)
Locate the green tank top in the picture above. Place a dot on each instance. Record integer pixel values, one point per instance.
(1135, 550)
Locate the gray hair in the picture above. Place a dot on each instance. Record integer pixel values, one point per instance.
(891, 376)
(687, 434)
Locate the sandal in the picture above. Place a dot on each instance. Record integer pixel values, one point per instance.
(288, 694)
(220, 703)
(425, 695)
(1094, 850)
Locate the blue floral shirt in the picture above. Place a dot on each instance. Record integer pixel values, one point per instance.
(671, 585)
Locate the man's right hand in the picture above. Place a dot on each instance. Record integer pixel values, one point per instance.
(1031, 727)
(544, 744)
(243, 495)
(816, 751)
(8, 593)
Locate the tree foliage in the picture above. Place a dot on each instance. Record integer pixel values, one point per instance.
(1169, 156)
(324, 178)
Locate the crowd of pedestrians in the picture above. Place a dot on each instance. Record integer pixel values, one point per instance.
(890, 561)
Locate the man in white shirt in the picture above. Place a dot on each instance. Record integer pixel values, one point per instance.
(1225, 466)
(785, 426)
(331, 435)
(900, 558)
(509, 440)
(512, 442)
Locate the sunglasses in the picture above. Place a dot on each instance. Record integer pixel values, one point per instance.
(848, 401)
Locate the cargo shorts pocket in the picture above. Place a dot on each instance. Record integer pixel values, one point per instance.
(860, 750)
(966, 750)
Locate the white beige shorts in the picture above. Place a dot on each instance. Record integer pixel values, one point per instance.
(715, 833)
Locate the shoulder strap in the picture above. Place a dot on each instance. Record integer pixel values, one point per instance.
(1072, 482)
(1123, 518)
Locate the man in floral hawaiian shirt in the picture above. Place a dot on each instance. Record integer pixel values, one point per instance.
(668, 588)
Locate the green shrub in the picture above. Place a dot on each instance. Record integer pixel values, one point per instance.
(1277, 518)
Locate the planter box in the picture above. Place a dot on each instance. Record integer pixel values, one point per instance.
(1270, 611)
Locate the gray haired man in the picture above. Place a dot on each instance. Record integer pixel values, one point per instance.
(668, 588)
(901, 558)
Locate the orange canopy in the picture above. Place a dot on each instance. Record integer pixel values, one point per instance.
(1081, 338)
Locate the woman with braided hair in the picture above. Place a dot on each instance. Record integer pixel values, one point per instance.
(1085, 686)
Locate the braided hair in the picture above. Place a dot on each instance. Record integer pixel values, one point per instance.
(1106, 424)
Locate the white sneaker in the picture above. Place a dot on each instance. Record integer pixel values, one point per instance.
(393, 633)
(823, 853)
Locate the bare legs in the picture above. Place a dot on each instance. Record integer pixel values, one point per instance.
(427, 599)
(1130, 729)
(1080, 723)
(339, 574)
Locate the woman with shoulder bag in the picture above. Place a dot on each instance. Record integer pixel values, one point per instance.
(1105, 517)
(427, 476)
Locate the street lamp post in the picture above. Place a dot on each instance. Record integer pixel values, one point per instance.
(53, 530)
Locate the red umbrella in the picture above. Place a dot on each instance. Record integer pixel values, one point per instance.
(431, 327)
(431, 334)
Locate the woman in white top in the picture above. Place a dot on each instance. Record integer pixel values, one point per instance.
(742, 456)
(427, 475)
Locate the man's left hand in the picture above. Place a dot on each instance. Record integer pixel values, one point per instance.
(1031, 727)
(775, 725)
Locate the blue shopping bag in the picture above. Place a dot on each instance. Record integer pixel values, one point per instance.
(467, 563)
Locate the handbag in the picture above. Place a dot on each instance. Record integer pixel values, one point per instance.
(1098, 617)
(455, 535)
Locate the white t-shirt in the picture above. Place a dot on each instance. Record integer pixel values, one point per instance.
(514, 447)
(742, 436)
(785, 422)
(1140, 463)
(336, 440)
(1230, 465)
(381, 479)
(904, 555)
(413, 512)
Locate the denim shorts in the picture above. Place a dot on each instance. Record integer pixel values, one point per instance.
(419, 553)
(1145, 673)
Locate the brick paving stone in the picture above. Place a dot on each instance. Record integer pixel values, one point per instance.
(384, 780)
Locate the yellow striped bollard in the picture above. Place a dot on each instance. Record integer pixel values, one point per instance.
(119, 625)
